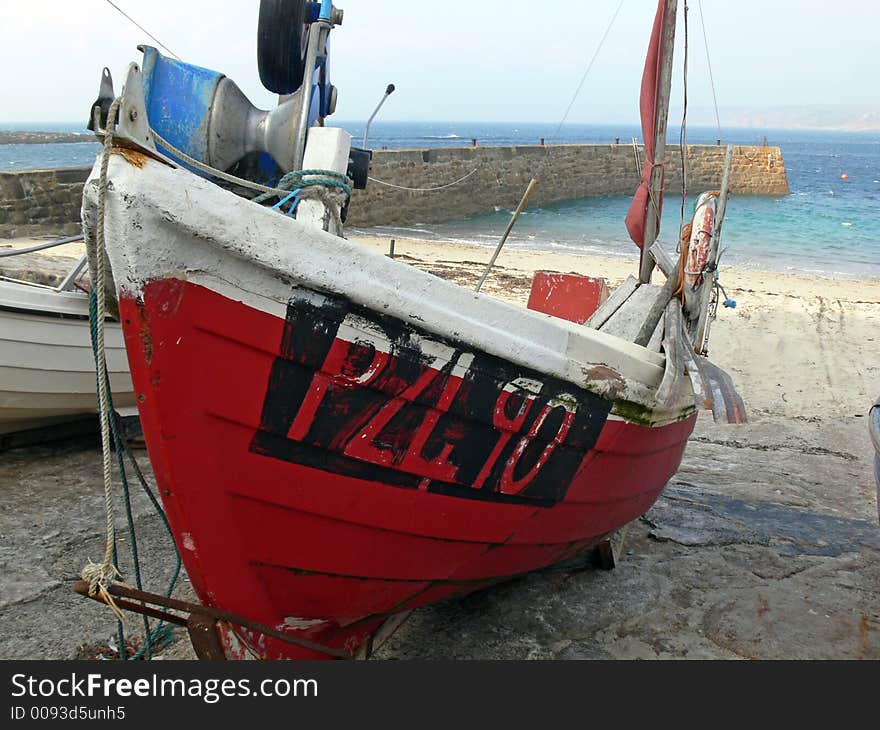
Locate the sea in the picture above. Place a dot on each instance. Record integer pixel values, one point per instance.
(828, 226)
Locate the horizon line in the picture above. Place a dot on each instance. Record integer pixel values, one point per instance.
(551, 124)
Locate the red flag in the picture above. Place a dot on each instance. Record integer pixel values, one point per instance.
(638, 210)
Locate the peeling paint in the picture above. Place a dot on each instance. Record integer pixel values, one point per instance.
(133, 157)
(187, 540)
(606, 380)
(296, 623)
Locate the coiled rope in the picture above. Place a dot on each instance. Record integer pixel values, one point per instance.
(303, 179)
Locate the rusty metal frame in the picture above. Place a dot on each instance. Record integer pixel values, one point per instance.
(874, 428)
(874, 415)
(200, 621)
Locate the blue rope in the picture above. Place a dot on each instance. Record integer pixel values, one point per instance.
(728, 302)
(296, 179)
(296, 199)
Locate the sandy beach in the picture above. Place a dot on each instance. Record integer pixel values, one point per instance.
(797, 346)
(763, 546)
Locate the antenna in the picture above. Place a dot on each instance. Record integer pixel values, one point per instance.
(388, 92)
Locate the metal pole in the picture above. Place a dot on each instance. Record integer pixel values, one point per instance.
(317, 33)
(388, 92)
(725, 193)
(73, 274)
(704, 322)
(42, 246)
(513, 220)
(652, 220)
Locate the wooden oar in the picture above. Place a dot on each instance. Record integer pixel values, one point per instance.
(513, 220)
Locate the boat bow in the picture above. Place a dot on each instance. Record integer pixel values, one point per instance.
(165, 221)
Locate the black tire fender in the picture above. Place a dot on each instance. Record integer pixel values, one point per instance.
(281, 45)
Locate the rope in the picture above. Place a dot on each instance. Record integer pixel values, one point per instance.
(99, 576)
(41, 247)
(683, 247)
(27, 283)
(728, 302)
(426, 190)
(333, 200)
(152, 637)
(546, 159)
(709, 62)
(654, 166)
(121, 11)
(587, 72)
(304, 179)
(330, 178)
(161, 630)
(326, 177)
(683, 135)
(287, 183)
(312, 185)
(638, 157)
(552, 137)
(219, 174)
(653, 199)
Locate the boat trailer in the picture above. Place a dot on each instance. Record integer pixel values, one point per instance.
(202, 622)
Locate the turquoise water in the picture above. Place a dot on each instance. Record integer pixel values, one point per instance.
(827, 226)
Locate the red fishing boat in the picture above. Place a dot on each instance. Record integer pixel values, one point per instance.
(340, 438)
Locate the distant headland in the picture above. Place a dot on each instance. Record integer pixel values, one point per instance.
(21, 137)
(818, 117)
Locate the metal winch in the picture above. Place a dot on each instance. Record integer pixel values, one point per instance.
(201, 114)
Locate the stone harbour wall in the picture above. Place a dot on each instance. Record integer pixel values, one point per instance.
(38, 202)
(41, 202)
(498, 176)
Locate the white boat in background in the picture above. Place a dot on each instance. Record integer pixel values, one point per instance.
(47, 370)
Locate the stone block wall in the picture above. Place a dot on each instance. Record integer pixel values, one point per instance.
(38, 202)
(498, 176)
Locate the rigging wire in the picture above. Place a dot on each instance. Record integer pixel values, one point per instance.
(683, 134)
(546, 158)
(709, 62)
(132, 20)
(587, 72)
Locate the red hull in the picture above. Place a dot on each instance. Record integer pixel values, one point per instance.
(320, 485)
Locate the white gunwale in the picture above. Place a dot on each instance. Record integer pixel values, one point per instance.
(164, 222)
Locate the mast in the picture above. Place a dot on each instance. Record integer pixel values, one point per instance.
(655, 187)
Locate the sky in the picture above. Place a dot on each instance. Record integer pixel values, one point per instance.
(496, 60)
